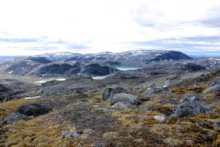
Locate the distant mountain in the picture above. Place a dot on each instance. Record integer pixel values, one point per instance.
(126, 59)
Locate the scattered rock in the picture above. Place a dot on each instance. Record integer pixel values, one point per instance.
(190, 97)
(160, 118)
(212, 89)
(71, 135)
(146, 107)
(215, 82)
(122, 105)
(82, 101)
(105, 110)
(109, 91)
(217, 124)
(188, 109)
(14, 117)
(151, 91)
(123, 97)
(35, 109)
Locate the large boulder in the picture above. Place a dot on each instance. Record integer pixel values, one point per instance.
(212, 89)
(188, 109)
(14, 117)
(35, 109)
(71, 135)
(124, 97)
(109, 91)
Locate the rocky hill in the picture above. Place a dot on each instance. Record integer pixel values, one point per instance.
(126, 59)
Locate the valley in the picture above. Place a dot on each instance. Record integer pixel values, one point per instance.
(134, 98)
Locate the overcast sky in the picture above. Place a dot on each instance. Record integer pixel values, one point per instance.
(29, 27)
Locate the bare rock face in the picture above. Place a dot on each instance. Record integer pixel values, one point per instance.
(123, 97)
(212, 89)
(14, 117)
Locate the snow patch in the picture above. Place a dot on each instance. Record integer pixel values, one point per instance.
(10, 72)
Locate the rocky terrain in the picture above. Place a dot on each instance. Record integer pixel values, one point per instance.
(171, 101)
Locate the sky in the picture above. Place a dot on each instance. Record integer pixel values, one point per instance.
(30, 27)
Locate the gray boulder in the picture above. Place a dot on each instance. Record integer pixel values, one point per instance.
(188, 109)
(35, 109)
(212, 89)
(217, 124)
(151, 91)
(146, 107)
(215, 82)
(14, 117)
(122, 105)
(109, 91)
(190, 97)
(71, 135)
(124, 97)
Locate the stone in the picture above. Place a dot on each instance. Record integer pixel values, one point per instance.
(124, 97)
(189, 109)
(146, 107)
(190, 97)
(215, 82)
(105, 110)
(160, 118)
(151, 91)
(35, 109)
(71, 135)
(109, 91)
(122, 105)
(212, 89)
(217, 124)
(14, 117)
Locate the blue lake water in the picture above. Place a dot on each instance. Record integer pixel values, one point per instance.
(127, 68)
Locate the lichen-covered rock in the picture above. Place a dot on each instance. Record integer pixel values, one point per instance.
(71, 135)
(124, 97)
(146, 107)
(35, 109)
(188, 109)
(212, 89)
(14, 117)
(151, 91)
(190, 97)
(109, 91)
(215, 82)
(122, 105)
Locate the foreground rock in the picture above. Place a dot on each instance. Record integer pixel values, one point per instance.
(35, 109)
(212, 89)
(14, 117)
(123, 97)
(188, 109)
(217, 124)
(110, 91)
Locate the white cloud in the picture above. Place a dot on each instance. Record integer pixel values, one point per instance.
(101, 25)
